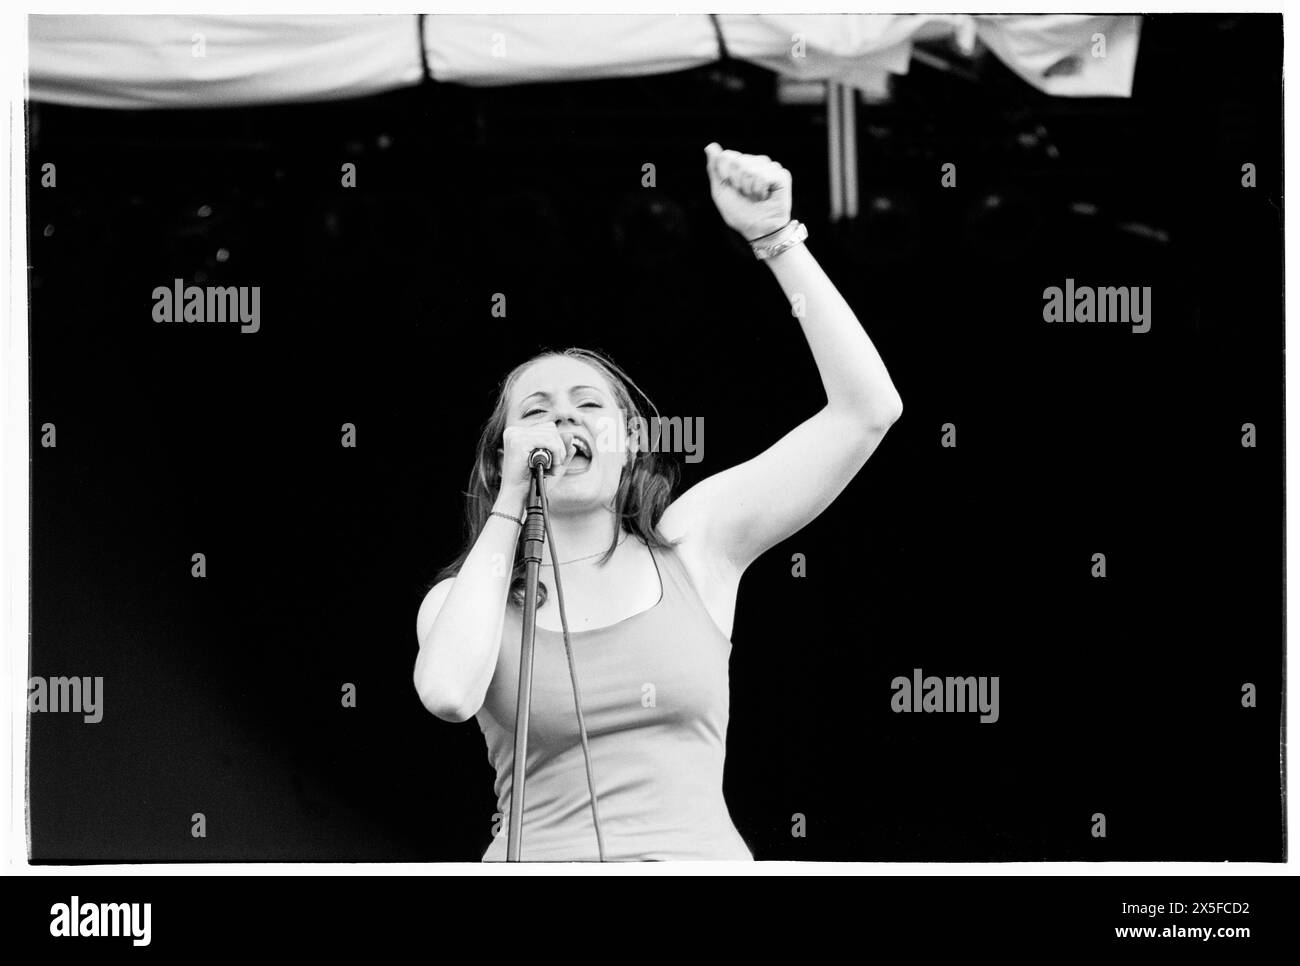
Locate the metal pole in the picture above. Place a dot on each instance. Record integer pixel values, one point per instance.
(533, 535)
(834, 135)
(849, 96)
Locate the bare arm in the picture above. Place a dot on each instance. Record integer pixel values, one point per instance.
(741, 512)
(459, 625)
(460, 621)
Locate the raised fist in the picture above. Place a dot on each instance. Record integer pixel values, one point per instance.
(752, 191)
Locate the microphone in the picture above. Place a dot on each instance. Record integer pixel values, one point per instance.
(541, 457)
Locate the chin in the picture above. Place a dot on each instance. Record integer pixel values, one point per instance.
(583, 492)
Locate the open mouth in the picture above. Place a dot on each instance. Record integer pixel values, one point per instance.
(581, 459)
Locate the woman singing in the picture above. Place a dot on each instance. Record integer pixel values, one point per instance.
(649, 581)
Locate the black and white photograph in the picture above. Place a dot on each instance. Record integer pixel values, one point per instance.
(740, 441)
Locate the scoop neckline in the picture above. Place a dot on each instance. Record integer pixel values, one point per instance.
(663, 592)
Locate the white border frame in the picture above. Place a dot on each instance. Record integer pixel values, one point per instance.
(15, 492)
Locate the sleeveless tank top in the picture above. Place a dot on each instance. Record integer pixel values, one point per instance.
(656, 702)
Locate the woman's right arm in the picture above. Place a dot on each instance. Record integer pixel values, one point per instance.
(460, 621)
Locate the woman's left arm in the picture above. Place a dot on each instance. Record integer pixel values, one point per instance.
(742, 511)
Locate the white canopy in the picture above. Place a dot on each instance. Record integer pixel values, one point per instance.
(214, 61)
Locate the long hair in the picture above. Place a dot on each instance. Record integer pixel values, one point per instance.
(644, 489)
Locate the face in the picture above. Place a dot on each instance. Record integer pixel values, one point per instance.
(577, 399)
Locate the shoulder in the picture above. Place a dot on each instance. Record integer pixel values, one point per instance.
(430, 606)
(686, 526)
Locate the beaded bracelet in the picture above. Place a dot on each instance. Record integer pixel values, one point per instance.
(506, 516)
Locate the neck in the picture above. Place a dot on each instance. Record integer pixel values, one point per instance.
(580, 535)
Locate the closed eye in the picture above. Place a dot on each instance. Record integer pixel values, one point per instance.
(590, 404)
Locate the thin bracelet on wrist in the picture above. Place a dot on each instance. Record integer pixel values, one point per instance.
(797, 236)
(753, 241)
(507, 516)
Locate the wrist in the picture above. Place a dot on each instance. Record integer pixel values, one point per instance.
(765, 231)
(510, 500)
(788, 236)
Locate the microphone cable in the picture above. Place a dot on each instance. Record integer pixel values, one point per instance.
(573, 671)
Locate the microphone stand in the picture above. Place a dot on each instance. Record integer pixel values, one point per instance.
(533, 536)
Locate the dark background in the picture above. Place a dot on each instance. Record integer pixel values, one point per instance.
(1120, 695)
